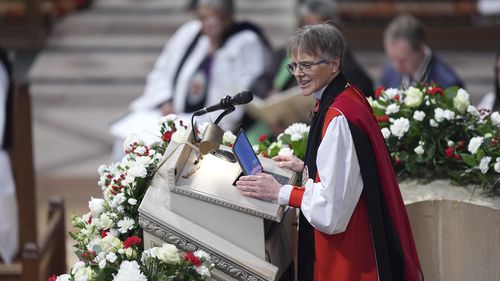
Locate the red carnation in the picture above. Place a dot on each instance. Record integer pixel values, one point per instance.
(190, 257)
(449, 152)
(104, 233)
(435, 90)
(379, 91)
(167, 136)
(383, 118)
(263, 138)
(131, 241)
(52, 278)
(397, 97)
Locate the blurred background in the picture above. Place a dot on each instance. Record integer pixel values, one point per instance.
(86, 60)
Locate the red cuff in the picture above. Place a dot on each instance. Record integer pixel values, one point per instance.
(296, 196)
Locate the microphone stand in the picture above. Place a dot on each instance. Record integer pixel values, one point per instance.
(229, 108)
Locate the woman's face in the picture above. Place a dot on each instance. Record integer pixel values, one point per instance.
(320, 73)
(213, 22)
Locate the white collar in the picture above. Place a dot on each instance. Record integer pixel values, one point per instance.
(319, 93)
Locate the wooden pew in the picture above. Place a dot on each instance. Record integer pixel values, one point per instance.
(40, 257)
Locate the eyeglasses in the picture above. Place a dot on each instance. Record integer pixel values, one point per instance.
(303, 66)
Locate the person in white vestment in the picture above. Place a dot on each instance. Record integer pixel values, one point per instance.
(9, 230)
(206, 59)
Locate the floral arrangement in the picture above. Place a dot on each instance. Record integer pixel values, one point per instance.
(108, 238)
(293, 141)
(432, 131)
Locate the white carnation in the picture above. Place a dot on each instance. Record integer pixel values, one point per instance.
(414, 97)
(296, 137)
(111, 257)
(461, 100)
(484, 164)
(386, 133)
(474, 144)
(433, 123)
(117, 200)
(391, 93)
(228, 137)
(392, 108)
(418, 115)
(64, 277)
(450, 143)
(440, 114)
(202, 255)
(297, 128)
(419, 150)
(137, 171)
(473, 111)
(495, 118)
(203, 271)
(129, 271)
(96, 206)
(125, 225)
(400, 127)
(132, 201)
(497, 165)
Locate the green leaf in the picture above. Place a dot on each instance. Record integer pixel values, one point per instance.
(469, 159)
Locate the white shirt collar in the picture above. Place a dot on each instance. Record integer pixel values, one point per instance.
(319, 93)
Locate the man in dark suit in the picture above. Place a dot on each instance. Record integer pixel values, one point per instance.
(411, 60)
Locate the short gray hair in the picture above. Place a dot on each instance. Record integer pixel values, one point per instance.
(225, 5)
(406, 27)
(324, 8)
(321, 40)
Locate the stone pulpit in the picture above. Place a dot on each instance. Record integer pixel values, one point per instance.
(193, 204)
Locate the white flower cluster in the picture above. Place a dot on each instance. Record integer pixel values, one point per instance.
(297, 131)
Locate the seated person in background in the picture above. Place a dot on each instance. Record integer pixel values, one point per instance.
(9, 230)
(491, 101)
(277, 78)
(205, 60)
(411, 60)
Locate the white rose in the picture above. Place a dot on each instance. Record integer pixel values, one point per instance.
(474, 144)
(168, 253)
(132, 201)
(450, 143)
(105, 222)
(484, 164)
(418, 115)
(386, 133)
(180, 135)
(83, 274)
(96, 206)
(392, 108)
(461, 100)
(285, 151)
(400, 127)
(419, 150)
(125, 225)
(111, 244)
(102, 263)
(497, 165)
(413, 97)
(137, 171)
(495, 118)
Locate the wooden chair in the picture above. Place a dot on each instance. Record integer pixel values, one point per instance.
(44, 256)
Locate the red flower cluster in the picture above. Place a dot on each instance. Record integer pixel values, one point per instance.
(379, 91)
(89, 255)
(190, 257)
(167, 136)
(435, 91)
(451, 153)
(383, 118)
(131, 241)
(52, 278)
(263, 138)
(104, 233)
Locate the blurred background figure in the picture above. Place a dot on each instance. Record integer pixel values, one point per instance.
(492, 100)
(9, 230)
(411, 60)
(205, 60)
(277, 78)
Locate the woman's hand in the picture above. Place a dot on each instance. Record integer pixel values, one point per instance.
(261, 186)
(290, 161)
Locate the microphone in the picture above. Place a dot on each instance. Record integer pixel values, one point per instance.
(228, 102)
